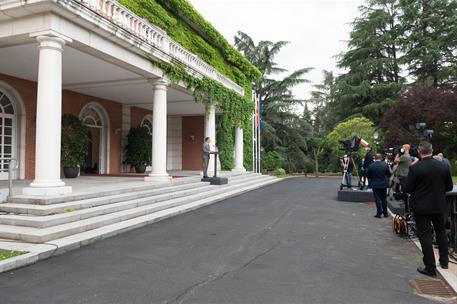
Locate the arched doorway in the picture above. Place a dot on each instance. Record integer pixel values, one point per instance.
(95, 118)
(12, 131)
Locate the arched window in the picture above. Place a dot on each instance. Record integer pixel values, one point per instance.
(91, 117)
(147, 122)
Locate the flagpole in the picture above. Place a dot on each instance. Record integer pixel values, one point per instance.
(254, 162)
(253, 142)
(258, 134)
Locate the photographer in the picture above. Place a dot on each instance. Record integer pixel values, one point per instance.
(404, 160)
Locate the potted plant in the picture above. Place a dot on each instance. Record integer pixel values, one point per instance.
(74, 145)
(138, 149)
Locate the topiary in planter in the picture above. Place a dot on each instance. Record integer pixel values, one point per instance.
(139, 148)
(74, 145)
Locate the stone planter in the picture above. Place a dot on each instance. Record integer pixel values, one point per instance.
(71, 172)
(140, 168)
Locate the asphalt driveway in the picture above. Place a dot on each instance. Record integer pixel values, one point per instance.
(290, 242)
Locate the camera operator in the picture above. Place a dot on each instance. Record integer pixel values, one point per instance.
(404, 161)
(428, 182)
(347, 164)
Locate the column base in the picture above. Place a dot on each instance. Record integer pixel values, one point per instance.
(211, 174)
(46, 191)
(238, 170)
(158, 178)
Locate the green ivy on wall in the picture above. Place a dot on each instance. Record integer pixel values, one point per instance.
(186, 26)
(236, 110)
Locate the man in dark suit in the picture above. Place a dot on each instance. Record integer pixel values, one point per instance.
(378, 174)
(427, 182)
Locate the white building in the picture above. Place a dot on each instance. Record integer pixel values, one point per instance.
(89, 58)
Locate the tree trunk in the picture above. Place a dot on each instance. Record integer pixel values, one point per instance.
(316, 163)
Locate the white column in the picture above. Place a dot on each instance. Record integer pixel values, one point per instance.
(159, 132)
(125, 127)
(48, 120)
(210, 131)
(210, 123)
(239, 149)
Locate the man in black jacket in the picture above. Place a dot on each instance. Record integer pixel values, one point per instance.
(367, 161)
(427, 182)
(378, 179)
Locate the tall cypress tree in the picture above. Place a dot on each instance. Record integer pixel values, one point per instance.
(429, 40)
(373, 79)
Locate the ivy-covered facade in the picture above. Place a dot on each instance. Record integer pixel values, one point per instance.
(117, 65)
(185, 25)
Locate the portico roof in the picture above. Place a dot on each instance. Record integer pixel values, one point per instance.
(90, 75)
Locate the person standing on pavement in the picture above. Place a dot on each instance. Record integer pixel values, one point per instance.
(427, 183)
(404, 161)
(367, 161)
(206, 152)
(348, 166)
(378, 179)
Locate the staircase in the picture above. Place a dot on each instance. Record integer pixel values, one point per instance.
(69, 222)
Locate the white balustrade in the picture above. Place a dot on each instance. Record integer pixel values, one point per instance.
(121, 16)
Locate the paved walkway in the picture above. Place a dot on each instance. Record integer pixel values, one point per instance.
(291, 242)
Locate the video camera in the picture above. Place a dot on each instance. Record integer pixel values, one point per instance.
(351, 145)
(391, 153)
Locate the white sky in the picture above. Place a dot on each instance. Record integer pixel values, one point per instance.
(317, 29)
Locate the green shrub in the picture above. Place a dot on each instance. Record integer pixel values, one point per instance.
(280, 172)
(74, 142)
(272, 161)
(360, 126)
(139, 146)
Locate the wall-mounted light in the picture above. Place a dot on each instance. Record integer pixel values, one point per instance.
(192, 138)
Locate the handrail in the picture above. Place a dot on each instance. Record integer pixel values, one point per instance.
(10, 172)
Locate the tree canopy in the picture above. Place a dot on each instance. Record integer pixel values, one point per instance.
(283, 129)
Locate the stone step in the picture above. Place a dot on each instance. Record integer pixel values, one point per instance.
(76, 241)
(109, 205)
(56, 208)
(23, 199)
(40, 235)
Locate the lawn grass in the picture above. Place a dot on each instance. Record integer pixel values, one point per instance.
(454, 179)
(6, 254)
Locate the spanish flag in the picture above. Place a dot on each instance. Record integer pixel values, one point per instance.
(257, 113)
(364, 143)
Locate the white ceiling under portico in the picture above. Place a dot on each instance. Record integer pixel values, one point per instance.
(87, 74)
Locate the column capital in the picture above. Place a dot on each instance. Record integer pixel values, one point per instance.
(51, 42)
(209, 103)
(159, 83)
